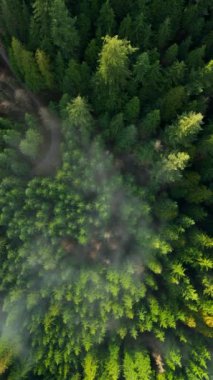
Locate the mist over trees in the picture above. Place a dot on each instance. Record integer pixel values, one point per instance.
(106, 195)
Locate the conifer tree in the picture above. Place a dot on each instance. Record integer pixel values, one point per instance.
(63, 31)
(106, 20)
(113, 66)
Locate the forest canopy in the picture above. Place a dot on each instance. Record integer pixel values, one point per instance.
(106, 195)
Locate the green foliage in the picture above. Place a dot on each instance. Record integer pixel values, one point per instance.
(170, 167)
(26, 66)
(106, 20)
(113, 64)
(90, 367)
(137, 366)
(132, 109)
(106, 190)
(15, 16)
(166, 209)
(6, 357)
(75, 78)
(40, 24)
(208, 76)
(44, 67)
(30, 145)
(111, 368)
(171, 54)
(150, 123)
(125, 30)
(63, 30)
(80, 118)
(127, 138)
(173, 102)
(164, 33)
(142, 67)
(186, 129)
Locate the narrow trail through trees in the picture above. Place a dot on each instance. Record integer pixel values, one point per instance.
(16, 100)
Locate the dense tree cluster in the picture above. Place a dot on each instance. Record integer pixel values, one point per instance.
(106, 169)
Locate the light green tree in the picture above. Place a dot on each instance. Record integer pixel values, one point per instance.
(114, 61)
(44, 66)
(137, 366)
(79, 120)
(186, 129)
(29, 146)
(25, 64)
(111, 367)
(90, 367)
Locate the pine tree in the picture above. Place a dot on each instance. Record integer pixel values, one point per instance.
(15, 18)
(80, 120)
(40, 25)
(186, 129)
(30, 145)
(164, 33)
(90, 367)
(25, 64)
(44, 67)
(106, 20)
(173, 102)
(113, 64)
(132, 109)
(171, 54)
(125, 30)
(62, 29)
(111, 367)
